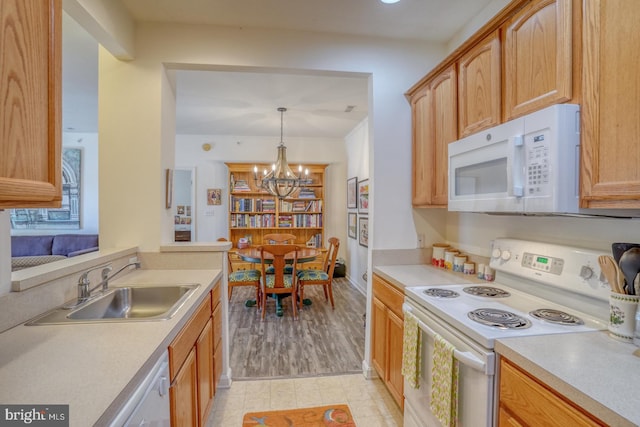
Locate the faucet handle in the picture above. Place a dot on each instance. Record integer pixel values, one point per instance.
(84, 277)
(105, 272)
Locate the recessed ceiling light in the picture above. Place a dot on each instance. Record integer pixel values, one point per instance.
(389, 1)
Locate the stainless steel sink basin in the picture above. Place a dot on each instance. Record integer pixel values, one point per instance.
(126, 304)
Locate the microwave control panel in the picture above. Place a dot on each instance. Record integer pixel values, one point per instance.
(537, 163)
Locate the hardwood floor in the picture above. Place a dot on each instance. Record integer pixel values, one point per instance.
(321, 342)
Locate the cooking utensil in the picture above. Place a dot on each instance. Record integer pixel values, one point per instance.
(610, 270)
(630, 266)
(617, 249)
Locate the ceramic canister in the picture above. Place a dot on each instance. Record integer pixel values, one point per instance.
(449, 254)
(480, 271)
(437, 254)
(469, 268)
(458, 263)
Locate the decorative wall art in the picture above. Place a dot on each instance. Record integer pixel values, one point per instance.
(67, 216)
(352, 193)
(363, 231)
(352, 225)
(363, 196)
(214, 196)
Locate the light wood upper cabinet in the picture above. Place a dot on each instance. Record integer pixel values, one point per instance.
(479, 92)
(435, 125)
(444, 90)
(610, 172)
(421, 147)
(30, 103)
(538, 57)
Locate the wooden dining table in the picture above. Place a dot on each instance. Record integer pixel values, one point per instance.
(252, 254)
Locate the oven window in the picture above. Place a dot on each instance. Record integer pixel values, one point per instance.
(482, 178)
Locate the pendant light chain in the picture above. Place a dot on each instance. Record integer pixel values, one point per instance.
(281, 181)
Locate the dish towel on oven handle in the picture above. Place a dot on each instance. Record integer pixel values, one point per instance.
(411, 350)
(444, 383)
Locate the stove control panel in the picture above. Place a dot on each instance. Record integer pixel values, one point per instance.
(570, 268)
(543, 263)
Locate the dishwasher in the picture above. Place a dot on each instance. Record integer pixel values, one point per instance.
(149, 405)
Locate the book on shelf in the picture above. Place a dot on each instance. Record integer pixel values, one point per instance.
(240, 185)
(306, 193)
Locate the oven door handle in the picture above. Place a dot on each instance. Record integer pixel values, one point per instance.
(465, 357)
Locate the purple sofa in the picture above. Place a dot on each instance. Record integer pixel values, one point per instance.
(29, 251)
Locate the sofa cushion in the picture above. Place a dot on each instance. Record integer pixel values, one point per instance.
(18, 263)
(31, 245)
(63, 244)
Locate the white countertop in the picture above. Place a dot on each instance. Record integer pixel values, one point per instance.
(419, 275)
(92, 367)
(596, 372)
(591, 369)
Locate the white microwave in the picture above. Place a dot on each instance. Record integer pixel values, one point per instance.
(528, 165)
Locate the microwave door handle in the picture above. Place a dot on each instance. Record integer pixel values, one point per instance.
(516, 170)
(464, 357)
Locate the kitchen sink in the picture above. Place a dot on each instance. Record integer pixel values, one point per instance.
(125, 304)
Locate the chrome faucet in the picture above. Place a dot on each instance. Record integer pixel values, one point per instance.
(84, 292)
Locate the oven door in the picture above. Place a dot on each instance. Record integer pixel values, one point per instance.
(475, 377)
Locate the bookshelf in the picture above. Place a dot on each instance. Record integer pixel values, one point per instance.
(254, 213)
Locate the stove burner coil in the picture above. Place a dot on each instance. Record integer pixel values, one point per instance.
(556, 316)
(499, 318)
(441, 293)
(486, 291)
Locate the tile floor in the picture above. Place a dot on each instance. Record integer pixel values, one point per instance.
(369, 401)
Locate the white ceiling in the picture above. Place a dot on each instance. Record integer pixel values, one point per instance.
(245, 103)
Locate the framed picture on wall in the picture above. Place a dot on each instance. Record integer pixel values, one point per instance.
(363, 196)
(214, 196)
(363, 231)
(352, 193)
(352, 225)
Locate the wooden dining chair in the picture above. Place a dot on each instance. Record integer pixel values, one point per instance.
(278, 283)
(324, 277)
(278, 239)
(249, 277)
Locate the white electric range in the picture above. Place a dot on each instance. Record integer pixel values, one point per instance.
(540, 289)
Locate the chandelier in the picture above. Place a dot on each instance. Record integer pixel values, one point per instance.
(280, 181)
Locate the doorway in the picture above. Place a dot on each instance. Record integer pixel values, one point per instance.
(184, 206)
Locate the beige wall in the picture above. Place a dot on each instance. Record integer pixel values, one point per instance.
(136, 104)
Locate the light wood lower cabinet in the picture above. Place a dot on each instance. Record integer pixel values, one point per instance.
(195, 362)
(525, 401)
(204, 359)
(387, 331)
(183, 393)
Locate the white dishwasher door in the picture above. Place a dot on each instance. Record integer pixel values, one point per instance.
(149, 405)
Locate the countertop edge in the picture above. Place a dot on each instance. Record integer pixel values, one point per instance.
(42, 364)
(113, 409)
